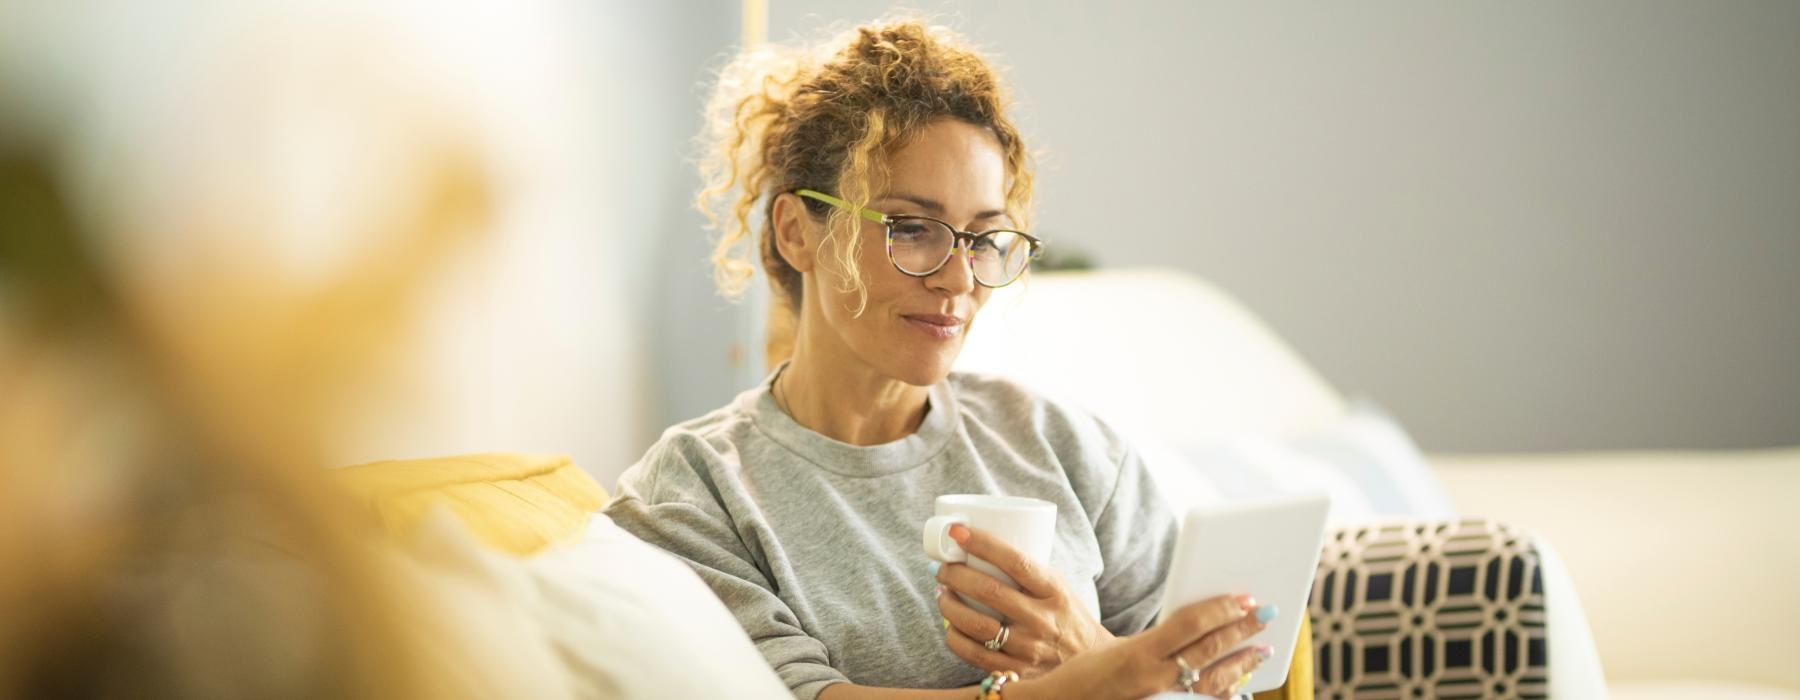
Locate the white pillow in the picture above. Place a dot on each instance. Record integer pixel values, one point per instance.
(632, 621)
(1370, 448)
(1248, 468)
(1364, 460)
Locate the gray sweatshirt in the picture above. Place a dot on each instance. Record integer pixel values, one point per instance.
(814, 544)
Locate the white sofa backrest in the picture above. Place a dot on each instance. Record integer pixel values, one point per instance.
(1157, 350)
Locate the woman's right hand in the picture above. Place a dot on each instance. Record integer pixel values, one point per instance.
(1202, 634)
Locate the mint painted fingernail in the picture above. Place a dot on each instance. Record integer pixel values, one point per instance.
(1266, 613)
(934, 567)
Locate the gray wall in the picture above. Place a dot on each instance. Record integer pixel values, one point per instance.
(1518, 226)
(704, 348)
(661, 52)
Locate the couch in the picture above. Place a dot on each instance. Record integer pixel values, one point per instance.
(1642, 563)
(1664, 574)
(622, 618)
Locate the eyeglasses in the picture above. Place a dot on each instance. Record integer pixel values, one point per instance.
(920, 245)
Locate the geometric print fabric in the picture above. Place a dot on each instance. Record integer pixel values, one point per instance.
(1441, 609)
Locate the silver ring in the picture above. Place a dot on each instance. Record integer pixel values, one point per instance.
(1189, 675)
(999, 639)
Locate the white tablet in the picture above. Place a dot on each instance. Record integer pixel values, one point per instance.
(1266, 548)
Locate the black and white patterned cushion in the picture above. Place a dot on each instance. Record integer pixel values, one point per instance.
(1441, 609)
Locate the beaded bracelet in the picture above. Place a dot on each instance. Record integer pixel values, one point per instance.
(990, 686)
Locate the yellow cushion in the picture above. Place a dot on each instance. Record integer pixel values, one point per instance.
(1299, 684)
(513, 503)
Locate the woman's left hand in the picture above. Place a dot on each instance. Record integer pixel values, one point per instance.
(1047, 625)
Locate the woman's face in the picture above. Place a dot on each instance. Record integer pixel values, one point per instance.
(914, 327)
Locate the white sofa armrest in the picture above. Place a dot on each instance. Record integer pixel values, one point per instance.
(1575, 667)
(1684, 562)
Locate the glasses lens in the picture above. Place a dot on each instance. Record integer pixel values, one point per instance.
(1000, 257)
(919, 246)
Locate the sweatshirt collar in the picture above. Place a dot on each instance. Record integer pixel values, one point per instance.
(856, 460)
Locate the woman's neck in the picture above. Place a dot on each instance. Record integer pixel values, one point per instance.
(836, 395)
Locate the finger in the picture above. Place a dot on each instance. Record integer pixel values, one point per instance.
(1227, 677)
(965, 619)
(978, 655)
(1032, 576)
(986, 590)
(1188, 624)
(1220, 642)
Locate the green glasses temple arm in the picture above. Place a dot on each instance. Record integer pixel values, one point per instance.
(869, 214)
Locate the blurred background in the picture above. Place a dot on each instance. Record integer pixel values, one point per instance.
(1518, 226)
(341, 231)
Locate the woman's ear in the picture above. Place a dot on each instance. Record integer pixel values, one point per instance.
(793, 226)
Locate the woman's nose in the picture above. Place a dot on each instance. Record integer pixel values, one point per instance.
(957, 276)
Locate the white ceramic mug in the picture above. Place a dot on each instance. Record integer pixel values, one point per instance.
(1027, 524)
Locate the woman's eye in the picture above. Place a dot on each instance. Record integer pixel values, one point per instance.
(909, 230)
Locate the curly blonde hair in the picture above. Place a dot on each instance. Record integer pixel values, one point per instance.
(825, 118)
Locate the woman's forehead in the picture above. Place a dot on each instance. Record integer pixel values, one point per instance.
(949, 166)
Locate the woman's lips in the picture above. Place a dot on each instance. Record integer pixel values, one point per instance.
(937, 326)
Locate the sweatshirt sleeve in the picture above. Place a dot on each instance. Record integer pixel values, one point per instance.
(668, 501)
(1136, 532)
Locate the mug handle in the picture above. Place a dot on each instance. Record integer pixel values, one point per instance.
(938, 544)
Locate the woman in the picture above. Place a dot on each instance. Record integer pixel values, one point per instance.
(895, 190)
